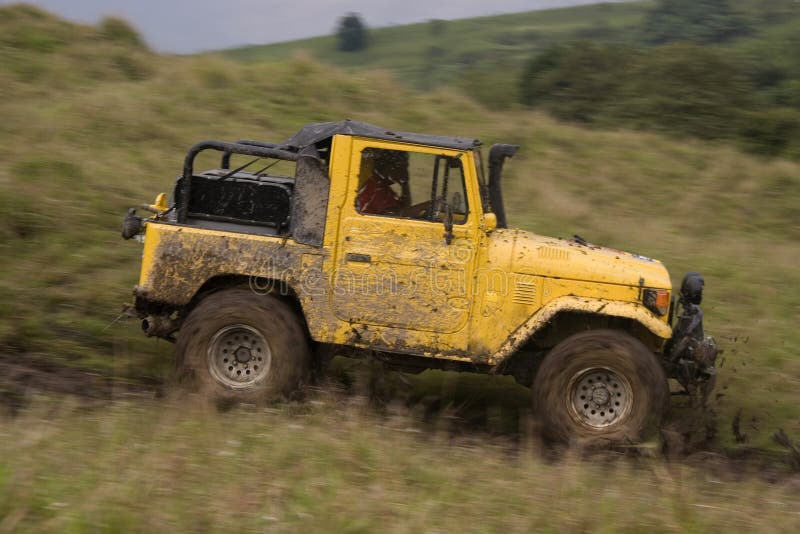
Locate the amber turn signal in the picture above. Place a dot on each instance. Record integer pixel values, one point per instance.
(656, 300)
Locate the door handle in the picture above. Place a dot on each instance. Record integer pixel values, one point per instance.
(363, 258)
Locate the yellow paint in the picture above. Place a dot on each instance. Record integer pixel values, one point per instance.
(160, 205)
(152, 241)
(579, 304)
(476, 299)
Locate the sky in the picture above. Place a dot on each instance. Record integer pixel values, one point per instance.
(186, 26)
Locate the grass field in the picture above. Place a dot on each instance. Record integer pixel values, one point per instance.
(331, 465)
(93, 124)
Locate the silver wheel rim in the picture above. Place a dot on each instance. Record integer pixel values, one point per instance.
(599, 398)
(239, 357)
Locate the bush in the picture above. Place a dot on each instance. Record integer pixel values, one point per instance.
(134, 67)
(688, 89)
(702, 21)
(773, 131)
(575, 82)
(118, 30)
(682, 87)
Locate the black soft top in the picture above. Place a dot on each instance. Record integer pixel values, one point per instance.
(312, 134)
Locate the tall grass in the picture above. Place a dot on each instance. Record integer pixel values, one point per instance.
(332, 466)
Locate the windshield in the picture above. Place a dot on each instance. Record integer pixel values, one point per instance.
(482, 186)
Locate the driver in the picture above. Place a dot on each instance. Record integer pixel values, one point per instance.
(385, 192)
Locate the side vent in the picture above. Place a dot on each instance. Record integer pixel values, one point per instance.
(551, 253)
(525, 291)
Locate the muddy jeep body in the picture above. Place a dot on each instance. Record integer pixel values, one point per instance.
(439, 284)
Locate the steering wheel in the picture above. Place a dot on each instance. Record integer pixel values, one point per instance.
(417, 211)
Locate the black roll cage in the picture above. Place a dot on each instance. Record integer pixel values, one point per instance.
(243, 147)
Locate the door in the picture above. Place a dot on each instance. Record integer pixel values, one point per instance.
(394, 265)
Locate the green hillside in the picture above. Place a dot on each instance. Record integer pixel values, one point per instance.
(510, 36)
(437, 52)
(94, 123)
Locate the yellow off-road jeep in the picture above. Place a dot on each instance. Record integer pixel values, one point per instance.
(395, 244)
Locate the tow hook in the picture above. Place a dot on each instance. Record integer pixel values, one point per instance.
(163, 326)
(691, 355)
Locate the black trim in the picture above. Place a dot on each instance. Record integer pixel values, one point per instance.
(497, 156)
(314, 133)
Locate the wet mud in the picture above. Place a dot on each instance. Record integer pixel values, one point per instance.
(457, 405)
(23, 376)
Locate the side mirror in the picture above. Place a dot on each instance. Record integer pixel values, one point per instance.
(489, 222)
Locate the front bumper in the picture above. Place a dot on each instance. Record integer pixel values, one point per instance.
(690, 354)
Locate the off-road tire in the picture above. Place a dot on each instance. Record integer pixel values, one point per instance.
(598, 372)
(268, 329)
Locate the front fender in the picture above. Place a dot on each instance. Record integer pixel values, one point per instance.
(610, 308)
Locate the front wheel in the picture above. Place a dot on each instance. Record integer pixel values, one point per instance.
(600, 387)
(240, 346)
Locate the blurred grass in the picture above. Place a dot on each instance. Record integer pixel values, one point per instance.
(332, 466)
(93, 124)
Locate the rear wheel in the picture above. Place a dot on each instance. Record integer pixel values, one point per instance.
(600, 387)
(240, 346)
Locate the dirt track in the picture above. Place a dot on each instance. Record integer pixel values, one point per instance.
(23, 375)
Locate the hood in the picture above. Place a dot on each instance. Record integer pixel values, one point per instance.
(529, 253)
